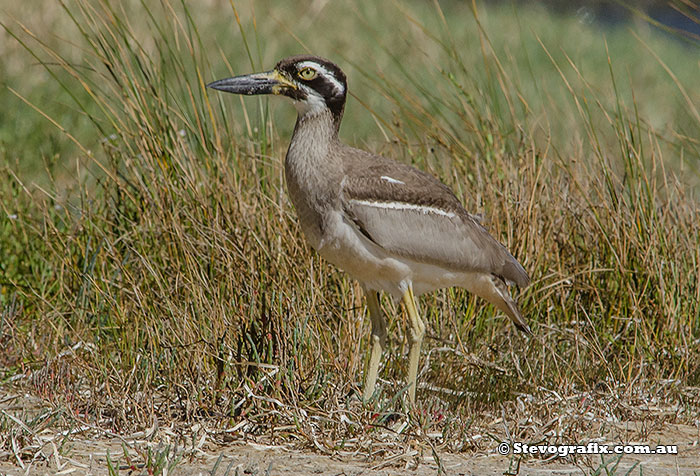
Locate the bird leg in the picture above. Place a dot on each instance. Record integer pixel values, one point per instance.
(416, 333)
(378, 340)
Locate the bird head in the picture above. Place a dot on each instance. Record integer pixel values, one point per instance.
(315, 84)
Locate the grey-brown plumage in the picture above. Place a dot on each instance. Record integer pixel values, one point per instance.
(393, 227)
(461, 242)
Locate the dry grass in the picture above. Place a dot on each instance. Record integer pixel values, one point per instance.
(169, 279)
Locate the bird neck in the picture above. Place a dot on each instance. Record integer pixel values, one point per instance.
(312, 163)
(314, 135)
(320, 119)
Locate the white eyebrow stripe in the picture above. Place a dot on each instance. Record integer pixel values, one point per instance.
(404, 206)
(386, 178)
(323, 71)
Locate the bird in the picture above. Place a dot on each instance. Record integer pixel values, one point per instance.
(394, 228)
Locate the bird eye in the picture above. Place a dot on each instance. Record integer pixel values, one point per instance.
(307, 74)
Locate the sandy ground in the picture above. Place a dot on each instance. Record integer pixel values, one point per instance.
(196, 450)
(89, 457)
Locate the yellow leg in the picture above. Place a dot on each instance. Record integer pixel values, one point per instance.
(378, 343)
(416, 333)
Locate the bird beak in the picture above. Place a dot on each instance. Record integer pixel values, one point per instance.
(269, 82)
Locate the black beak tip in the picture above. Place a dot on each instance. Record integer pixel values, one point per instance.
(214, 84)
(248, 84)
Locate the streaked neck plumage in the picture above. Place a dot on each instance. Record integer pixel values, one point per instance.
(315, 135)
(313, 167)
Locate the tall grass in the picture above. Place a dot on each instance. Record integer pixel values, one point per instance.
(173, 282)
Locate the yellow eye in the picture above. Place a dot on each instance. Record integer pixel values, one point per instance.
(307, 74)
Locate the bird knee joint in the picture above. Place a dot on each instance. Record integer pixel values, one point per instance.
(417, 333)
(379, 339)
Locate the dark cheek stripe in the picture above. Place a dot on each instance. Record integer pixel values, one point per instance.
(296, 94)
(336, 105)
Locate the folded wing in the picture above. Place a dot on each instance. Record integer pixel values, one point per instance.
(411, 214)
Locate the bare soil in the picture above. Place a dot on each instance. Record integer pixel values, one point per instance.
(81, 455)
(30, 447)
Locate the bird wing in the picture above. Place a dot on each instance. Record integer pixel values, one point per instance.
(411, 214)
